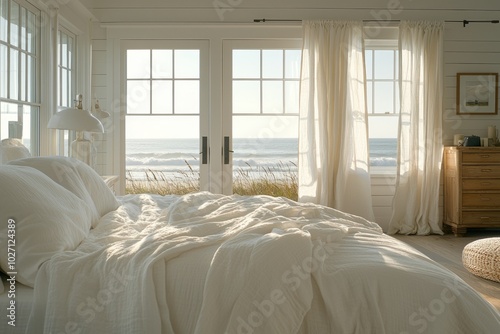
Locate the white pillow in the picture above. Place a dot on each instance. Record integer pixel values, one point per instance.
(13, 149)
(77, 177)
(47, 219)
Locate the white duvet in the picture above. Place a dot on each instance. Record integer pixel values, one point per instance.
(205, 263)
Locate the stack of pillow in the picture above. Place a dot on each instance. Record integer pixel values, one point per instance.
(54, 202)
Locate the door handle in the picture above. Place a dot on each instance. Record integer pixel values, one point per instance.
(204, 150)
(226, 150)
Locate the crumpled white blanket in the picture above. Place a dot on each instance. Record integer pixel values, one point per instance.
(276, 266)
(114, 282)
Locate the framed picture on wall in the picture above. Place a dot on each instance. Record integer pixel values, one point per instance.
(477, 93)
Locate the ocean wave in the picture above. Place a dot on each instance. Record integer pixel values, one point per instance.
(155, 161)
(383, 161)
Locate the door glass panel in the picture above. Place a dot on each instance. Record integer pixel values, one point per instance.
(162, 154)
(163, 120)
(162, 64)
(138, 64)
(246, 64)
(187, 97)
(265, 121)
(265, 155)
(138, 96)
(246, 97)
(272, 97)
(162, 97)
(187, 64)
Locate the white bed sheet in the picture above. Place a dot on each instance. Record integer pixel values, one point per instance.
(369, 282)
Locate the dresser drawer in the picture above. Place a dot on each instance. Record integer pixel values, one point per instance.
(481, 200)
(481, 184)
(483, 158)
(481, 171)
(481, 217)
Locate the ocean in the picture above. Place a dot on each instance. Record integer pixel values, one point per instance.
(171, 156)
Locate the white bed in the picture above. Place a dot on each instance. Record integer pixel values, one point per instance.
(206, 263)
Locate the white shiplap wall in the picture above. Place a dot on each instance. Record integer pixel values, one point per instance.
(475, 48)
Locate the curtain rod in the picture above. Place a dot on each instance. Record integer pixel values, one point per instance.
(464, 22)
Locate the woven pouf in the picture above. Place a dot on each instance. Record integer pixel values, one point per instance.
(482, 258)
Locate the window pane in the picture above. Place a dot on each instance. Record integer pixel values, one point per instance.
(64, 88)
(23, 28)
(292, 89)
(384, 97)
(70, 52)
(246, 64)
(384, 64)
(272, 64)
(272, 97)
(369, 64)
(64, 50)
(14, 23)
(23, 77)
(138, 97)
(14, 74)
(162, 97)
(31, 79)
(3, 19)
(292, 64)
(383, 140)
(187, 97)
(369, 96)
(27, 129)
(187, 64)
(246, 97)
(3, 71)
(396, 56)
(162, 64)
(138, 64)
(31, 37)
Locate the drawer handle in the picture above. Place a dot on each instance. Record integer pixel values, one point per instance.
(486, 183)
(485, 218)
(486, 170)
(485, 199)
(485, 156)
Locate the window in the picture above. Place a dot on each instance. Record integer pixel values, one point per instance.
(19, 72)
(382, 86)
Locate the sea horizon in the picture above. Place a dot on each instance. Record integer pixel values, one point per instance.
(172, 156)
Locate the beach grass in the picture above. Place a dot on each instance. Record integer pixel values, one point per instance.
(280, 180)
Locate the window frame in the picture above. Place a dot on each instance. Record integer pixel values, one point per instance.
(28, 97)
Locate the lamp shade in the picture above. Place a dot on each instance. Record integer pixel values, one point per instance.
(75, 119)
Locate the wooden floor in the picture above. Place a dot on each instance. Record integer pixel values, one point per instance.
(447, 250)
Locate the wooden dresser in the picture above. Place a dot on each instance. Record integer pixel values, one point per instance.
(471, 188)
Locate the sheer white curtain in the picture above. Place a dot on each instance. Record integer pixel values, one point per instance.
(416, 201)
(333, 140)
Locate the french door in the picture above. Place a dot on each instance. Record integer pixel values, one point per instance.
(176, 135)
(261, 105)
(166, 115)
